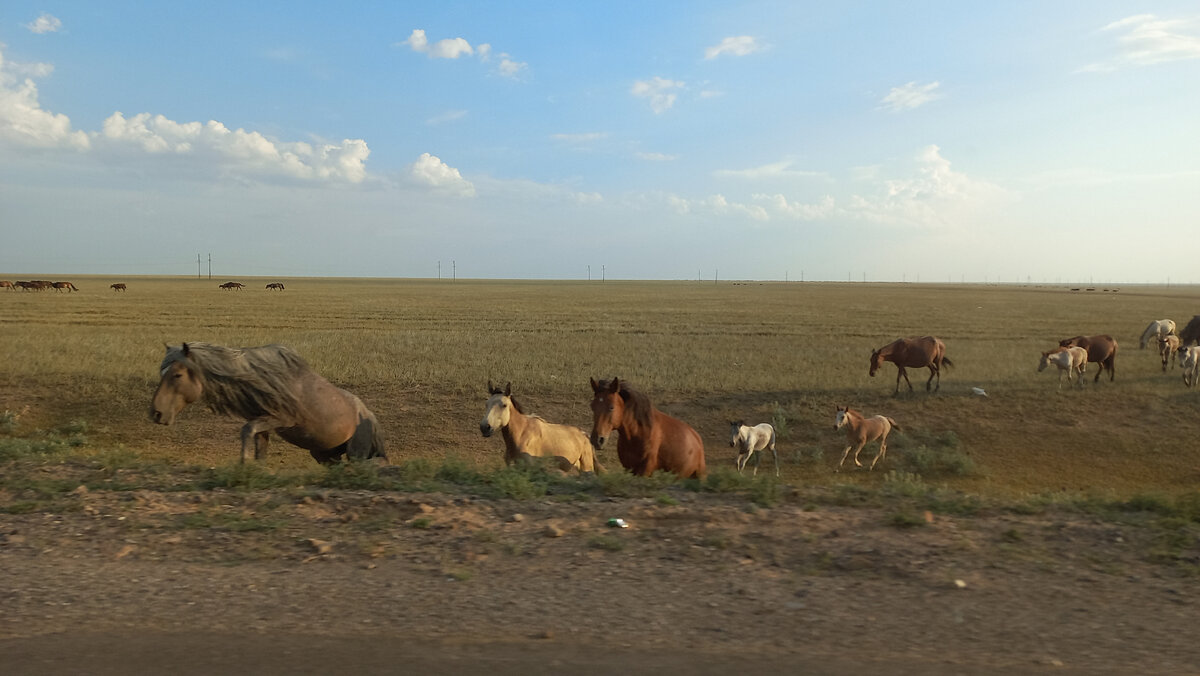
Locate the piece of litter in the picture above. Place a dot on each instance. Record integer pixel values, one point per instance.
(978, 391)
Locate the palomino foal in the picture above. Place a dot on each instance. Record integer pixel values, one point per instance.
(860, 430)
(748, 440)
(1073, 360)
(1167, 347)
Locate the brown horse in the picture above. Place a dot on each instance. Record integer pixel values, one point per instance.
(647, 439)
(119, 286)
(1101, 349)
(278, 286)
(59, 286)
(1190, 333)
(275, 390)
(860, 430)
(924, 352)
(237, 286)
(529, 436)
(5, 284)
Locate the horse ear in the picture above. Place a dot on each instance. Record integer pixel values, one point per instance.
(595, 385)
(185, 349)
(491, 388)
(615, 385)
(508, 390)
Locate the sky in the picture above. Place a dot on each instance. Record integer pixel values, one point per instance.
(879, 141)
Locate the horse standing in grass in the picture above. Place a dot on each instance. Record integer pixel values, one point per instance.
(750, 440)
(1167, 347)
(1101, 349)
(1189, 361)
(924, 352)
(276, 286)
(529, 436)
(1159, 328)
(275, 390)
(647, 439)
(5, 284)
(59, 286)
(1190, 333)
(1073, 360)
(860, 430)
(119, 286)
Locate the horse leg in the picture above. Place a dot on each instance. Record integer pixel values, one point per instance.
(250, 433)
(776, 456)
(260, 445)
(880, 454)
(857, 451)
(933, 371)
(844, 454)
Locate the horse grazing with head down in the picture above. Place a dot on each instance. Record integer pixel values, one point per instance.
(274, 389)
(1073, 360)
(1159, 328)
(1167, 346)
(860, 430)
(647, 439)
(529, 436)
(1101, 349)
(750, 440)
(924, 352)
(275, 286)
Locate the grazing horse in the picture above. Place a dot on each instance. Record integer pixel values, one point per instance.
(237, 286)
(59, 286)
(1167, 347)
(924, 352)
(1101, 349)
(119, 286)
(860, 430)
(5, 284)
(529, 436)
(1159, 328)
(1073, 360)
(274, 389)
(647, 439)
(748, 440)
(1189, 361)
(275, 285)
(1190, 333)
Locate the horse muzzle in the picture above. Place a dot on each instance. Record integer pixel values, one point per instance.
(160, 417)
(485, 429)
(598, 441)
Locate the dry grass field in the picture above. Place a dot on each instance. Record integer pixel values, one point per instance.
(419, 353)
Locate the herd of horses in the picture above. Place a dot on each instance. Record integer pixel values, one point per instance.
(38, 285)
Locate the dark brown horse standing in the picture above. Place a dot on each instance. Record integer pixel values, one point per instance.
(924, 352)
(647, 439)
(1190, 333)
(119, 286)
(1101, 349)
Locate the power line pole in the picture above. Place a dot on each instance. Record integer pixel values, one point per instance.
(210, 266)
(197, 266)
(439, 269)
(603, 272)
(453, 270)
(589, 273)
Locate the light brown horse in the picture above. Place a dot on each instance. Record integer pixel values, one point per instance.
(647, 439)
(5, 284)
(1101, 349)
(860, 430)
(59, 286)
(530, 436)
(275, 390)
(924, 352)
(1167, 346)
(277, 286)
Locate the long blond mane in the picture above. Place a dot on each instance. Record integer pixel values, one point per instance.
(246, 381)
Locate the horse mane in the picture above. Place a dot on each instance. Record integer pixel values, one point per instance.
(638, 403)
(517, 405)
(247, 381)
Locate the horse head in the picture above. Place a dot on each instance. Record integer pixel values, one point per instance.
(178, 386)
(876, 362)
(841, 417)
(1044, 361)
(735, 432)
(608, 409)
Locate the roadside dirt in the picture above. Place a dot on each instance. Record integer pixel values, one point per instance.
(305, 581)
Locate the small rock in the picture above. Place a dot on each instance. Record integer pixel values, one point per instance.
(554, 531)
(961, 584)
(80, 490)
(516, 518)
(321, 547)
(424, 508)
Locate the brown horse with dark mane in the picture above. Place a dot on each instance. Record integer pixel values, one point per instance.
(1101, 349)
(1190, 333)
(59, 286)
(275, 390)
(119, 286)
(275, 286)
(236, 286)
(924, 352)
(647, 439)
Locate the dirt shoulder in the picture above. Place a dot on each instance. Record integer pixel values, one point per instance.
(363, 579)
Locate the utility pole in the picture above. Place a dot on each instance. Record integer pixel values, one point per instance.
(439, 269)
(453, 270)
(603, 272)
(210, 266)
(715, 271)
(589, 273)
(197, 266)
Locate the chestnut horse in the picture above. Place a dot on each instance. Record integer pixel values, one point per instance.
(274, 389)
(647, 439)
(5, 284)
(529, 436)
(861, 429)
(59, 286)
(1101, 349)
(924, 352)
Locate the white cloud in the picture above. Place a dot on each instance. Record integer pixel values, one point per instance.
(799, 210)
(659, 91)
(736, 46)
(910, 95)
(448, 116)
(450, 48)
(717, 205)
(656, 157)
(509, 67)
(780, 169)
(46, 23)
(23, 122)
(431, 171)
(1145, 40)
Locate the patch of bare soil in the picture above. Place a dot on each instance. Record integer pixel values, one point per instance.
(304, 581)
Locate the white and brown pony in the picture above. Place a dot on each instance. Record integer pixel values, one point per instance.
(1073, 360)
(750, 440)
(1159, 328)
(1189, 361)
(529, 436)
(1167, 348)
(860, 430)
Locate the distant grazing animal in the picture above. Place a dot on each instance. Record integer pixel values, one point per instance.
(529, 436)
(860, 430)
(119, 286)
(5, 284)
(1190, 333)
(275, 390)
(275, 285)
(647, 439)
(924, 352)
(1189, 361)
(237, 286)
(59, 286)
(1101, 349)
(749, 440)
(1073, 360)
(1159, 328)
(1167, 347)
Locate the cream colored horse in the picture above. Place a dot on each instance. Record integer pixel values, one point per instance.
(1159, 328)
(1073, 360)
(1189, 361)
(1167, 348)
(529, 436)
(860, 430)
(750, 440)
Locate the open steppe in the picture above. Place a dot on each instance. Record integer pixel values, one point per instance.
(1031, 530)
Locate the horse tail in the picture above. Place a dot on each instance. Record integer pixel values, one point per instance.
(946, 361)
(895, 427)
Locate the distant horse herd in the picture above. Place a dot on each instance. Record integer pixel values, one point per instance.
(42, 285)
(274, 390)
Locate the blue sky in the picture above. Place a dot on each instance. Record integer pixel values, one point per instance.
(934, 141)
